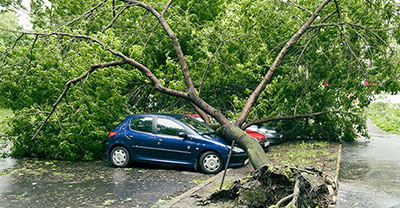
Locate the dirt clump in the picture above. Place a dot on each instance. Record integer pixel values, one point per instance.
(268, 187)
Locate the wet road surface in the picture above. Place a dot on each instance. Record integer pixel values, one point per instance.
(370, 172)
(49, 183)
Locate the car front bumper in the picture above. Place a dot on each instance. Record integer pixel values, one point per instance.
(264, 144)
(238, 160)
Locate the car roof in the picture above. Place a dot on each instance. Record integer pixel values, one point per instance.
(159, 115)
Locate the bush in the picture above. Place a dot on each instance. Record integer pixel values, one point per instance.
(385, 115)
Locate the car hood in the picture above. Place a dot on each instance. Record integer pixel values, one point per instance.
(215, 137)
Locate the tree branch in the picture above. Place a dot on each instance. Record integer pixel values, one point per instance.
(296, 193)
(166, 8)
(282, 54)
(291, 117)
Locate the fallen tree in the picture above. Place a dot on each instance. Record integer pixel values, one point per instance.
(299, 187)
(285, 187)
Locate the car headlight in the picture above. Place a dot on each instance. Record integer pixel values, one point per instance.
(237, 149)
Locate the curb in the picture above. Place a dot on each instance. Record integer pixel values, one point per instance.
(193, 190)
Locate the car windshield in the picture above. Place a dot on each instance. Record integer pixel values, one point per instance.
(196, 125)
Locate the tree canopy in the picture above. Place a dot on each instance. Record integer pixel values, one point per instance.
(119, 57)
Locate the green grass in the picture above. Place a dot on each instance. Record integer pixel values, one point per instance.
(385, 115)
(318, 154)
(4, 115)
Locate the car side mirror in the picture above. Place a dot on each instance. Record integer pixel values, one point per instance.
(183, 135)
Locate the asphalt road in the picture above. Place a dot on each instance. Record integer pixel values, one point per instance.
(48, 183)
(370, 172)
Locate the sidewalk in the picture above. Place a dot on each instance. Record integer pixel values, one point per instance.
(205, 189)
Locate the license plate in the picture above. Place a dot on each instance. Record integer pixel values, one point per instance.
(246, 161)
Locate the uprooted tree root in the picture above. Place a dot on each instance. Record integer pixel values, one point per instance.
(289, 187)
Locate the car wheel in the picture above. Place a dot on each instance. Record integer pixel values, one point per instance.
(211, 162)
(120, 157)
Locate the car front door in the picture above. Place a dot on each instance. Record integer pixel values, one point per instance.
(172, 146)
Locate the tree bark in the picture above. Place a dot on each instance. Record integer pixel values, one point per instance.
(256, 153)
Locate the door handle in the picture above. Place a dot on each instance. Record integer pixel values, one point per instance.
(130, 137)
(160, 140)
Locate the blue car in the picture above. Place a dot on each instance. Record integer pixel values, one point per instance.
(172, 139)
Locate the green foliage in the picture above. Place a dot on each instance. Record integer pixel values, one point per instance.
(9, 20)
(229, 47)
(385, 115)
(89, 110)
(15, 4)
(5, 115)
(78, 128)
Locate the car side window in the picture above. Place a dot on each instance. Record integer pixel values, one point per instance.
(168, 127)
(253, 128)
(142, 124)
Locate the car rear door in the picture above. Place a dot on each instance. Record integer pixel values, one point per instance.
(141, 137)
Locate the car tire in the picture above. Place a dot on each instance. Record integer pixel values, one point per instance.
(211, 162)
(120, 157)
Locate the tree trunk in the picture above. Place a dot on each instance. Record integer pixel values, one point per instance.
(256, 153)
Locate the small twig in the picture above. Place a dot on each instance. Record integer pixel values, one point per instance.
(84, 14)
(115, 18)
(300, 7)
(12, 47)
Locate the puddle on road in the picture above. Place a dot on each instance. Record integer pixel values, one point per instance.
(353, 170)
(48, 183)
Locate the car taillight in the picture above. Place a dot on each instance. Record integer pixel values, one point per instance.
(111, 134)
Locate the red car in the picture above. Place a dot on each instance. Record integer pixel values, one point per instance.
(261, 139)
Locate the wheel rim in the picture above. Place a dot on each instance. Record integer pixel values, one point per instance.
(119, 157)
(211, 162)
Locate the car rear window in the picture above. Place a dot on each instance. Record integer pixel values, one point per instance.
(142, 124)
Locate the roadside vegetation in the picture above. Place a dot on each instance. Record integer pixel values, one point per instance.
(385, 115)
(5, 114)
(320, 155)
